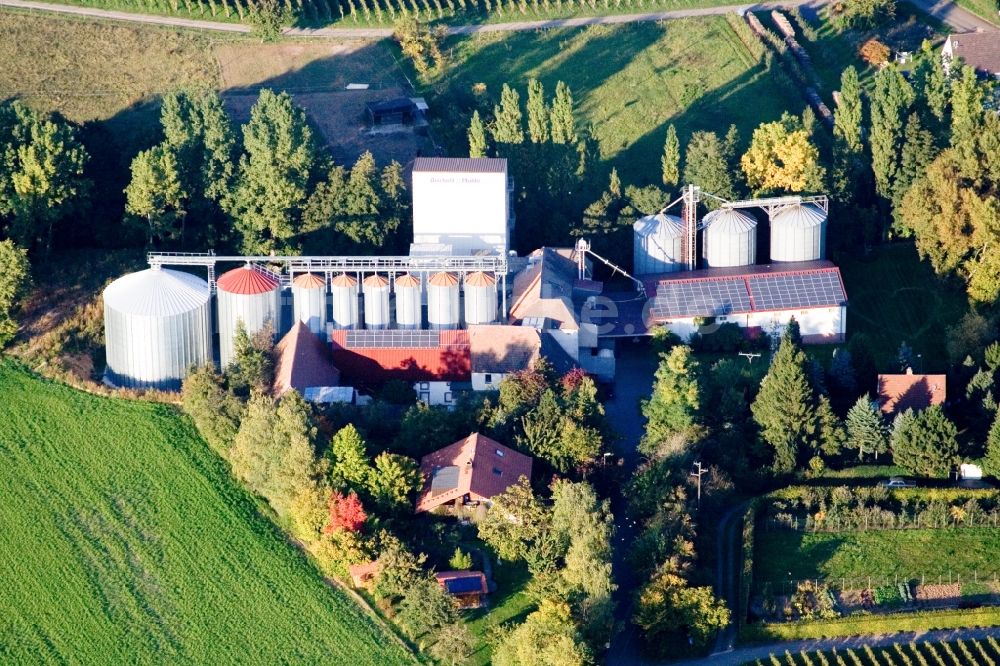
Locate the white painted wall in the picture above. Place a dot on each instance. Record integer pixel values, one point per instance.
(482, 381)
(825, 322)
(466, 210)
(436, 393)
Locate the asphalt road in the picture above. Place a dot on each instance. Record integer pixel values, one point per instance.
(959, 19)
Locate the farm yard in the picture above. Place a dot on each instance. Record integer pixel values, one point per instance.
(127, 541)
(973, 652)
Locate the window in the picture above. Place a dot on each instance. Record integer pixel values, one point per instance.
(489, 378)
(425, 386)
(447, 396)
(497, 471)
(500, 453)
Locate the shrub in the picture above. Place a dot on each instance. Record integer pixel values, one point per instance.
(874, 52)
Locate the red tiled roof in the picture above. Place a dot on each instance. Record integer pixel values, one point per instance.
(897, 393)
(361, 573)
(504, 349)
(246, 281)
(303, 361)
(486, 468)
(371, 366)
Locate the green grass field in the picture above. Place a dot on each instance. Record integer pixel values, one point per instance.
(629, 83)
(781, 555)
(125, 541)
(968, 653)
(510, 603)
(987, 9)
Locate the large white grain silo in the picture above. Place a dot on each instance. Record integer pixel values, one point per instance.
(248, 295)
(376, 292)
(657, 244)
(729, 239)
(798, 233)
(344, 299)
(157, 325)
(408, 301)
(442, 301)
(480, 298)
(309, 301)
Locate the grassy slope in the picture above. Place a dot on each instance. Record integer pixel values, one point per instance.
(629, 82)
(906, 553)
(987, 9)
(125, 541)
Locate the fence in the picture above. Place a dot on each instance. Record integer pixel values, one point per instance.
(976, 577)
(861, 521)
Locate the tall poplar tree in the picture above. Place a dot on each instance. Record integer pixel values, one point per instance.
(538, 113)
(670, 163)
(848, 118)
(890, 104)
(918, 152)
(563, 124)
(967, 114)
(507, 125)
(477, 136)
(156, 196)
(783, 408)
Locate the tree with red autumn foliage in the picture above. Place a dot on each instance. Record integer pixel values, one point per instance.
(346, 513)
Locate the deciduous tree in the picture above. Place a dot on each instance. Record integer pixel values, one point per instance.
(454, 644)
(350, 467)
(215, 411)
(782, 158)
(155, 195)
(346, 513)
(548, 637)
(668, 609)
(15, 277)
(538, 113)
(890, 104)
(673, 408)
(507, 124)
(477, 136)
(561, 115)
(705, 166)
(394, 481)
(425, 608)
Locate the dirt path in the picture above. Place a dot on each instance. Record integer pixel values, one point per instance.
(380, 33)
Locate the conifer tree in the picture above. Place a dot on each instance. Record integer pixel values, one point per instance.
(830, 435)
(563, 124)
(349, 463)
(705, 166)
(507, 126)
(538, 113)
(673, 408)
(783, 408)
(890, 103)
(931, 84)
(991, 461)
(275, 175)
(866, 429)
(926, 444)
(918, 152)
(477, 136)
(848, 117)
(670, 163)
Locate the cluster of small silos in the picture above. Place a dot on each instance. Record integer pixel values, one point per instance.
(729, 238)
(158, 322)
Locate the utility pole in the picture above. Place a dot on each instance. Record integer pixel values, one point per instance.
(750, 356)
(697, 474)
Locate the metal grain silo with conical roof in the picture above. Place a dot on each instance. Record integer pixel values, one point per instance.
(442, 301)
(729, 239)
(344, 297)
(249, 295)
(798, 233)
(157, 325)
(376, 293)
(309, 301)
(658, 244)
(480, 298)
(408, 301)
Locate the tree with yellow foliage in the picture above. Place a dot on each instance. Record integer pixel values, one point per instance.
(782, 158)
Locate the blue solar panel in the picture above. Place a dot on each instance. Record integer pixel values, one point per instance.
(792, 291)
(700, 298)
(394, 339)
(464, 585)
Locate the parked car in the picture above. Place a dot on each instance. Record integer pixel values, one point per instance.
(897, 482)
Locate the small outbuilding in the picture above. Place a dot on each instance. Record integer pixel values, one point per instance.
(362, 575)
(467, 588)
(474, 469)
(897, 393)
(303, 362)
(398, 111)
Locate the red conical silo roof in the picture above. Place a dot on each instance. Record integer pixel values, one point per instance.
(246, 281)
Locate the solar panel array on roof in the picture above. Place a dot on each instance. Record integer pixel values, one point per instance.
(464, 585)
(787, 292)
(711, 297)
(444, 479)
(701, 298)
(394, 339)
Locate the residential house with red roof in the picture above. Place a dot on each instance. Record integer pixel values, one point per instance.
(897, 393)
(473, 469)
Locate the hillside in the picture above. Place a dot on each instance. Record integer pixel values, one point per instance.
(125, 541)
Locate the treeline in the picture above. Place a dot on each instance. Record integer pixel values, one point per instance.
(923, 152)
(342, 480)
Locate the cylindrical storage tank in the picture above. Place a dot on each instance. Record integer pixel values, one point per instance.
(480, 298)
(729, 239)
(344, 297)
(247, 295)
(157, 324)
(657, 244)
(408, 301)
(376, 290)
(798, 233)
(309, 301)
(442, 301)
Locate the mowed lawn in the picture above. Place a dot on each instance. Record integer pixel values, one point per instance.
(125, 541)
(781, 555)
(629, 83)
